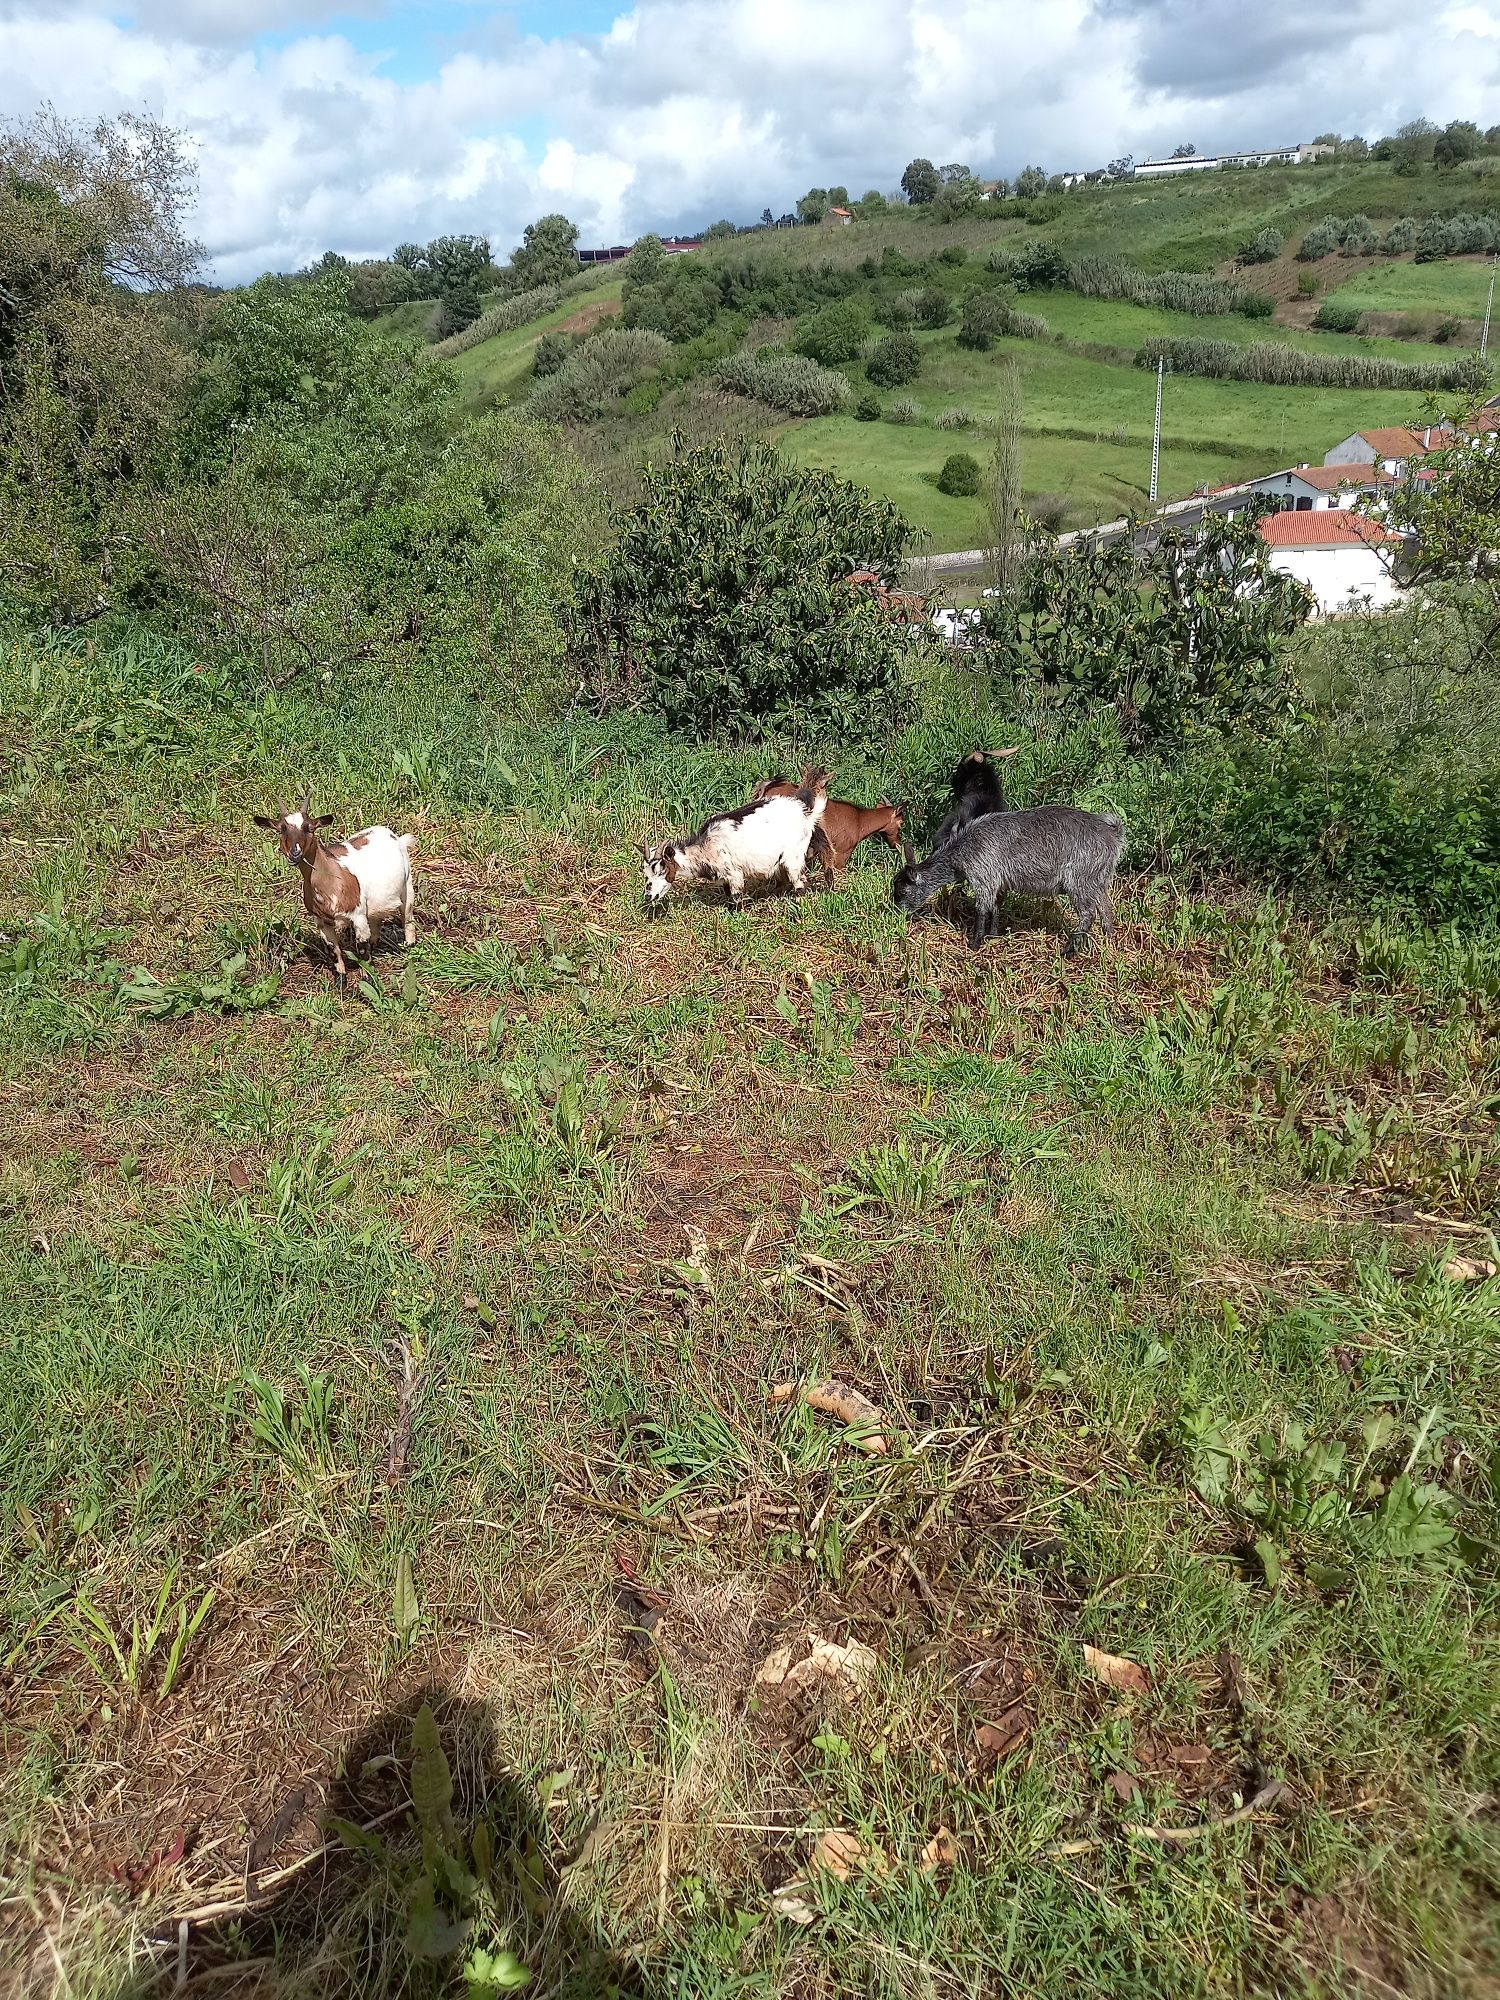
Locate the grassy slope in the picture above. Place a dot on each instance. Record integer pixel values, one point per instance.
(495, 1164)
(500, 369)
(1211, 430)
(1457, 285)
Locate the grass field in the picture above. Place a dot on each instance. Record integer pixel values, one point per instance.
(1458, 285)
(500, 369)
(1211, 431)
(416, 1345)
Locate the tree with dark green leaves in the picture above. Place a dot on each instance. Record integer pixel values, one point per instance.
(920, 182)
(718, 230)
(835, 333)
(1030, 182)
(546, 254)
(1189, 630)
(726, 603)
(814, 205)
(895, 362)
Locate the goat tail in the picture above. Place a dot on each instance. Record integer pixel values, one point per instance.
(408, 842)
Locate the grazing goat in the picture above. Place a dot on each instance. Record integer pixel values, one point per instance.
(1048, 851)
(353, 884)
(841, 828)
(978, 788)
(757, 841)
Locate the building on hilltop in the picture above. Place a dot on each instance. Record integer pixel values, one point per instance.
(1262, 156)
(838, 218)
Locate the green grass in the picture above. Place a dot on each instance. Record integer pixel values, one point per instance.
(1456, 285)
(413, 1323)
(1211, 431)
(500, 369)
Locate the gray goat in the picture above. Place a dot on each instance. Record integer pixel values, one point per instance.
(1047, 851)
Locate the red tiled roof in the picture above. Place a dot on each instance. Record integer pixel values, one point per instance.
(1329, 478)
(1396, 442)
(1325, 527)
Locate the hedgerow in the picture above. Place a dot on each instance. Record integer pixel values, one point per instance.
(1269, 361)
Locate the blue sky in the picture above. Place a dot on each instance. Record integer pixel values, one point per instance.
(321, 124)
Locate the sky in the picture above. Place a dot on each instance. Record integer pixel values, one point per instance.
(353, 125)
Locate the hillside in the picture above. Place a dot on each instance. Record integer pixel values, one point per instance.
(1087, 409)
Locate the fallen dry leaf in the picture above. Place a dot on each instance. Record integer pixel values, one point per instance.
(940, 1852)
(1124, 1786)
(239, 1176)
(994, 1740)
(774, 1668)
(1116, 1671)
(824, 1661)
(841, 1852)
(837, 1399)
(1189, 1754)
(1467, 1270)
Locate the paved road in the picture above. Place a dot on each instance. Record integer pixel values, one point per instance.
(1177, 514)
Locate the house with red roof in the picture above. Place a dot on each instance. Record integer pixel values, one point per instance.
(1345, 559)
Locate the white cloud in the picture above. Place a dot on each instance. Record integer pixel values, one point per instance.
(684, 110)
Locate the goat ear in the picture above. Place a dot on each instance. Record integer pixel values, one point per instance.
(259, 819)
(323, 819)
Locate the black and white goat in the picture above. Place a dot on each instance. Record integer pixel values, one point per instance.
(1046, 851)
(755, 842)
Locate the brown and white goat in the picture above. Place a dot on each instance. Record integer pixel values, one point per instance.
(842, 827)
(754, 842)
(351, 885)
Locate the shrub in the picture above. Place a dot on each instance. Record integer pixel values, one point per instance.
(725, 602)
(955, 419)
(1433, 243)
(1307, 284)
(1335, 318)
(895, 362)
(953, 253)
(903, 410)
(1270, 361)
(1321, 240)
(987, 315)
(1258, 305)
(1174, 291)
(960, 475)
(1448, 329)
(597, 372)
(1399, 238)
(934, 307)
(1050, 511)
(514, 311)
(1262, 248)
(785, 381)
(867, 408)
(551, 353)
(834, 334)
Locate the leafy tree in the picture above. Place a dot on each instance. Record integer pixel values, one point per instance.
(92, 239)
(957, 198)
(456, 264)
(895, 362)
(835, 333)
(838, 197)
(920, 182)
(934, 307)
(814, 205)
(1454, 520)
(1456, 142)
(725, 604)
(872, 202)
(459, 307)
(1122, 168)
(960, 475)
(1030, 182)
(1184, 152)
(716, 230)
(377, 284)
(1189, 631)
(986, 317)
(648, 259)
(954, 172)
(1412, 146)
(768, 220)
(546, 254)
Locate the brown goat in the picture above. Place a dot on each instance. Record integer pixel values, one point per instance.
(843, 826)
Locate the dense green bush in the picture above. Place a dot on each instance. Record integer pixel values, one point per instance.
(597, 372)
(1321, 240)
(1335, 318)
(960, 475)
(867, 408)
(1262, 248)
(725, 603)
(987, 315)
(895, 362)
(1190, 633)
(934, 307)
(1271, 361)
(835, 334)
(1399, 238)
(551, 354)
(785, 381)
(1171, 291)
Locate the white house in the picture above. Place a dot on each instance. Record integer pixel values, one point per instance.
(1311, 489)
(1345, 559)
(1257, 156)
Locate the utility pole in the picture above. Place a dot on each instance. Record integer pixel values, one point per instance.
(1484, 332)
(1156, 431)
